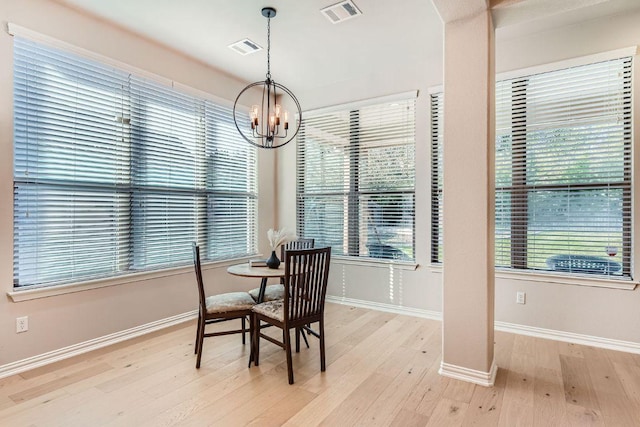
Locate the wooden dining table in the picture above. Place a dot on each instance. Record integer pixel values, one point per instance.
(264, 273)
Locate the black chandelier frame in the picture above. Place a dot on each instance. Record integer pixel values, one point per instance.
(269, 134)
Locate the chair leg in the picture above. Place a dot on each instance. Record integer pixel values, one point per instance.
(244, 329)
(287, 348)
(256, 346)
(195, 347)
(298, 340)
(323, 363)
(201, 324)
(253, 337)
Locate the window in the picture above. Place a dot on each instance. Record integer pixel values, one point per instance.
(116, 174)
(356, 179)
(563, 171)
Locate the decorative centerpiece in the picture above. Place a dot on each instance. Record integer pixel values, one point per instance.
(277, 238)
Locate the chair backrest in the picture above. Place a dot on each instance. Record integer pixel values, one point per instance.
(196, 265)
(304, 243)
(306, 277)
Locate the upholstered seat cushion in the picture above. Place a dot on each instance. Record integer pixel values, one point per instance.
(271, 293)
(232, 301)
(273, 309)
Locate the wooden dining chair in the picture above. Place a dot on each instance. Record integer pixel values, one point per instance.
(305, 281)
(273, 292)
(219, 308)
(302, 243)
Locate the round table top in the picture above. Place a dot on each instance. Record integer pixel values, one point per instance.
(245, 270)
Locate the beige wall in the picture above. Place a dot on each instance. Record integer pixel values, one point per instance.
(60, 321)
(597, 312)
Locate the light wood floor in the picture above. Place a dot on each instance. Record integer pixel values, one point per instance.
(382, 370)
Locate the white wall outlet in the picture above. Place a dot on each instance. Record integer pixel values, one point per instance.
(521, 298)
(22, 324)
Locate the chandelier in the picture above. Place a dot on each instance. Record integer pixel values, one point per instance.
(268, 125)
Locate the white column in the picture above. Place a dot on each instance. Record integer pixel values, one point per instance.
(468, 212)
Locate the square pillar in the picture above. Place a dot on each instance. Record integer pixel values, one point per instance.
(468, 210)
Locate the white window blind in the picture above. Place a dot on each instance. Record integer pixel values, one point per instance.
(232, 187)
(563, 170)
(437, 134)
(114, 174)
(356, 179)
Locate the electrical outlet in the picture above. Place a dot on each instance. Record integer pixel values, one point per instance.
(22, 324)
(521, 297)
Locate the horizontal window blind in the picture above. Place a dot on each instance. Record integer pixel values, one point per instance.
(167, 136)
(563, 170)
(356, 180)
(71, 175)
(232, 187)
(437, 134)
(114, 173)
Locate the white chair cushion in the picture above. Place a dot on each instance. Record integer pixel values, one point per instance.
(271, 293)
(273, 309)
(232, 301)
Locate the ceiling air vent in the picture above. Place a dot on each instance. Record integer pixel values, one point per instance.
(340, 12)
(245, 47)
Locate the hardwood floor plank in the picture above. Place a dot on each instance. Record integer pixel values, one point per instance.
(579, 416)
(406, 418)
(390, 401)
(49, 409)
(548, 402)
(486, 403)
(514, 413)
(357, 403)
(448, 413)
(608, 389)
(459, 391)
(578, 389)
(47, 387)
(284, 409)
(570, 349)
(546, 354)
(629, 376)
(503, 348)
(428, 392)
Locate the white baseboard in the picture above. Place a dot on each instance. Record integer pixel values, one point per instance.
(551, 334)
(410, 311)
(94, 344)
(486, 379)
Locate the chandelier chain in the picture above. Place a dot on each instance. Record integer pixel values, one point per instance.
(268, 48)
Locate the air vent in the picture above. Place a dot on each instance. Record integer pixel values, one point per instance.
(342, 11)
(245, 47)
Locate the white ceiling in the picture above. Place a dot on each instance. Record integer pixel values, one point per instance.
(307, 50)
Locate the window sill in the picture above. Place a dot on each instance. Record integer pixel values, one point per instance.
(550, 277)
(374, 262)
(31, 293)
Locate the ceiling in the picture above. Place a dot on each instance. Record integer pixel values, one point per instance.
(309, 51)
